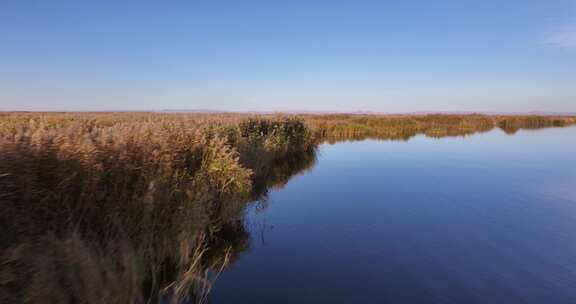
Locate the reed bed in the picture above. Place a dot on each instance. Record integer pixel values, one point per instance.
(403, 127)
(151, 189)
(135, 207)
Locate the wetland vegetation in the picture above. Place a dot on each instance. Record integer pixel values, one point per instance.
(142, 207)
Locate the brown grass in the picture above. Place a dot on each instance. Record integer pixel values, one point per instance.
(403, 127)
(129, 207)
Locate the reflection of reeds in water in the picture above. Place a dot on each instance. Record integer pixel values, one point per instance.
(511, 125)
(129, 208)
(195, 282)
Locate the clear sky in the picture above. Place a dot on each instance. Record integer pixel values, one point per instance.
(283, 55)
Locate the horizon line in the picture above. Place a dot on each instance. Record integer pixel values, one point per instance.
(296, 112)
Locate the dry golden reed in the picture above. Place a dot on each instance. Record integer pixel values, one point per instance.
(134, 207)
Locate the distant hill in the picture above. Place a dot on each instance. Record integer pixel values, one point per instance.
(193, 111)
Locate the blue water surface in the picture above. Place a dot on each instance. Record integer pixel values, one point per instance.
(489, 218)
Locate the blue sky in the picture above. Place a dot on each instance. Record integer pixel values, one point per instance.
(284, 55)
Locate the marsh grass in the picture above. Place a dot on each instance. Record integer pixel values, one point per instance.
(136, 207)
(339, 127)
(161, 187)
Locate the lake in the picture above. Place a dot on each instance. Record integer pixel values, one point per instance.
(489, 218)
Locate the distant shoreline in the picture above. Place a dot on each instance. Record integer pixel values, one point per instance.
(367, 113)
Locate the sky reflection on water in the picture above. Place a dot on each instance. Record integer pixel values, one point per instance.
(489, 218)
